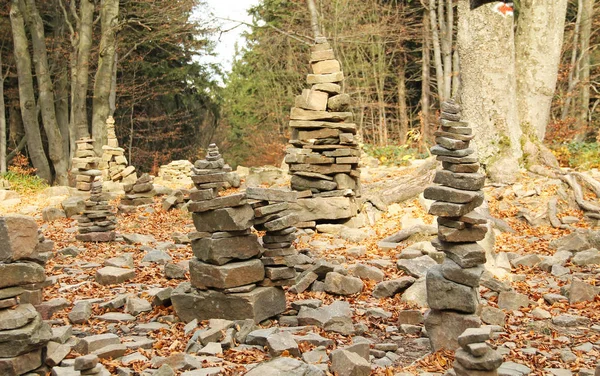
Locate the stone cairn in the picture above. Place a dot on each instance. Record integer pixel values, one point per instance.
(85, 164)
(114, 164)
(227, 272)
(475, 356)
(4, 184)
(325, 155)
(98, 221)
(453, 286)
(176, 171)
(23, 333)
(272, 216)
(138, 194)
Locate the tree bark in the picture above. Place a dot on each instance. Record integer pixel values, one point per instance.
(46, 92)
(104, 74)
(437, 49)
(425, 82)
(573, 68)
(584, 69)
(314, 19)
(539, 40)
(84, 44)
(402, 106)
(488, 88)
(26, 94)
(2, 121)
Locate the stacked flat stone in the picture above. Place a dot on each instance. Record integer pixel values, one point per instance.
(85, 164)
(140, 193)
(325, 153)
(272, 215)
(98, 221)
(452, 287)
(4, 184)
(114, 164)
(475, 357)
(176, 172)
(23, 333)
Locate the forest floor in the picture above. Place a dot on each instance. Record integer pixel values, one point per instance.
(530, 336)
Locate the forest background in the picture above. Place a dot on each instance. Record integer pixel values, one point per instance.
(66, 65)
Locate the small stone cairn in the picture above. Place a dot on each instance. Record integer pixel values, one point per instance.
(98, 221)
(176, 172)
(452, 287)
(227, 273)
(272, 216)
(85, 164)
(138, 194)
(325, 155)
(114, 164)
(23, 333)
(475, 356)
(4, 184)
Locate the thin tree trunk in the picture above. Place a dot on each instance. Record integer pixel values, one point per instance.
(46, 93)
(84, 34)
(437, 52)
(104, 74)
(26, 94)
(112, 98)
(314, 19)
(537, 63)
(584, 69)
(402, 106)
(574, 67)
(16, 130)
(425, 82)
(62, 110)
(455, 73)
(2, 121)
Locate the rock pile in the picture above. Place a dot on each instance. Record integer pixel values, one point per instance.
(272, 216)
(452, 287)
(325, 155)
(85, 164)
(23, 333)
(176, 172)
(139, 193)
(475, 357)
(227, 273)
(114, 164)
(98, 221)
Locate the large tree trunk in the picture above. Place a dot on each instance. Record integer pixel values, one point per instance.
(104, 74)
(2, 121)
(488, 78)
(46, 93)
(26, 94)
(84, 35)
(539, 41)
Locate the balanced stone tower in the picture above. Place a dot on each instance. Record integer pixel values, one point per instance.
(324, 155)
(475, 357)
(23, 333)
(114, 164)
(85, 164)
(453, 286)
(227, 274)
(98, 221)
(140, 193)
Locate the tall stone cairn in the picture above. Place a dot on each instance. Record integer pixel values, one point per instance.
(227, 274)
(272, 215)
(139, 193)
(98, 221)
(85, 164)
(23, 333)
(475, 356)
(324, 155)
(453, 286)
(114, 164)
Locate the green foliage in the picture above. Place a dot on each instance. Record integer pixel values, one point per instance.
(24, 183)
(393, 155)
(578, 155)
